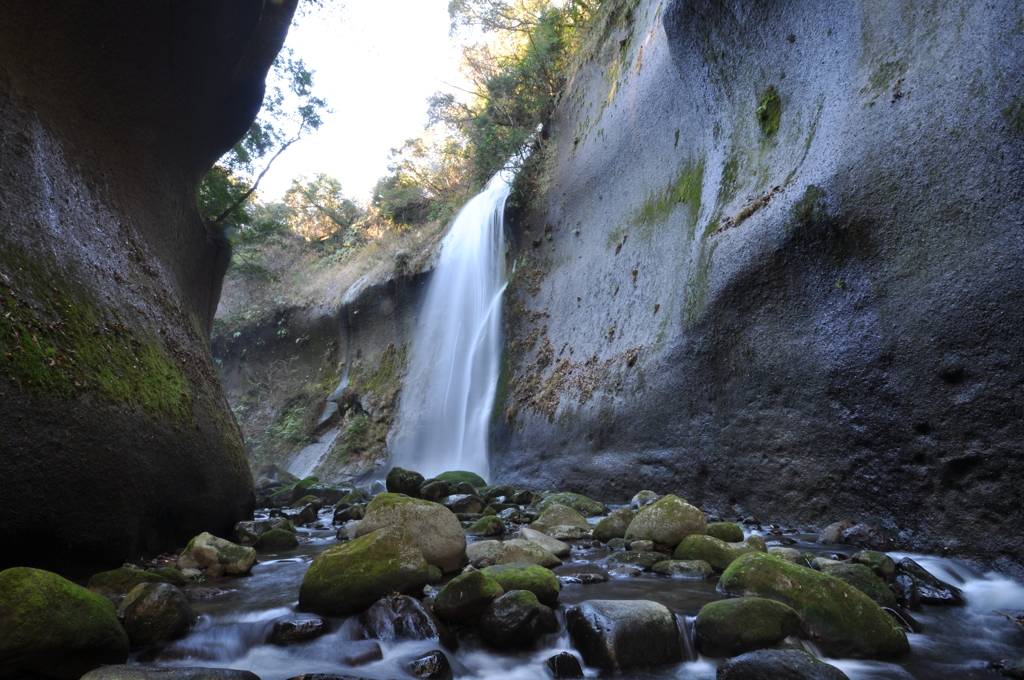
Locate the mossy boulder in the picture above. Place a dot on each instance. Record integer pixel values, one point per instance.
(51, 627)
(347, 578)
(465, 597)
(614, 525)
(643, 498)
(545, 542)
(881, 564)
(121, 581)
(435, 490)
(276, 539)
(435, 528)
(730, 532)
(717, 552)
(307, 500)
(667, 521)
(557, 514)
(217, 555)
(581, 504)
(173, 576)
(247, 533)
(841, 619)
(516, 619)
(731, 627)
(155, 612)
(683, 568)
(400, 480)
(864, 580)
(632, 558)
(456, 477)
(487, 526)
(540, 581)
(520, 550)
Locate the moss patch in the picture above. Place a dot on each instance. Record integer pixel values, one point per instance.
(769, 111)
(1014, 115)
(685, 188)
(540, 581)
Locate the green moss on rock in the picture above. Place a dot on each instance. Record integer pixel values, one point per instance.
(730, 532)
(487, 526)
(666, 521)
(731, 627)
(769, 111)
(465, 597)
(121, 581)
(581, 504)
(864, 580)
(540, 581)
(455, 477)
(716, 552)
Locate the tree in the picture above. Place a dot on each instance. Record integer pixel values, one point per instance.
(320, 211)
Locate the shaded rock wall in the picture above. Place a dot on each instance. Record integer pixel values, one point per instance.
(116, 438)
(777, 269)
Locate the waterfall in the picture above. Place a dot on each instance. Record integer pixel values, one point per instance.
(445, 409)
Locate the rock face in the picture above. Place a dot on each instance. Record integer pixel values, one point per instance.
(109, 118)
(781, 244)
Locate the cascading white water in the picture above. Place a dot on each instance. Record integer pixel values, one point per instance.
(446, 403)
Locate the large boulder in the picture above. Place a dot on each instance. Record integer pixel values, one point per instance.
(51, 627)
(399, 617)
(622, 634)
(120, 581)
(400, 480)
(778, 664)
(520, 550)
(838, 617)
(540, 581)
(465, 597)
(275, 540)
(557, 514)
(545, 542)
(614, 525)
(683, 568)
(863, 579)
(456, 477)
(717, 552)
(435, 528)
(668, 521)
(217, 556)
(581, 504)
(347, 578)
(155, 612)
(736, 626)
(516, 619)
(730, 532)
(111, 276)
(248, 532)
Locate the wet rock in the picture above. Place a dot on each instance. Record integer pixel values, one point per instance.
(516, 619)
(499, 492)
(789, 554)
(833, 533)
(545, 542)
(716, 552)
(217, 555)
(905, 589)
(465, 488)
(581, 504)
(564, 532)
(246, 533)
(614, 525)
(931, 589)
(435, 490)
(618, 544)
(585, 578)
(484, 550)
(621, 634)
(155, 612)
(121, 581)
(557, 514)
(465, 597)
(276, 539)
(300, 630)
(307, 500)
(149, 673)
(624, 571)
(683, 568)
(632, 558)
(432, 666)
(173, 576)
(642, 499)
(867, 536)
(464, 503)
(564, 666)
(342, 515)
(347, 578)
(348, 531)
(666, 521)
(820, 563)
(641, 546)
(400, 480)
(731, 627)
(524, 497)
(540, 581)
(864, 580)
(519, 550)
(352, 497)
(51, 627)
(360, 653)
(778, 664)
(881, 564)
(197, 594)
(397, 617)
(510, 514)
(730, 532)
(840, 618)
(486, 526)
(306, 514)
(434, 527)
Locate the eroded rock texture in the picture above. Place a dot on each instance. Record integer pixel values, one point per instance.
(115, 435)
(783, 269)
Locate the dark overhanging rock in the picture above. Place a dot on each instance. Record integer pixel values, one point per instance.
(116, 438)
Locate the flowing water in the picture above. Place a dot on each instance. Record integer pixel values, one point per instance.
(449, 390)
(955, 642)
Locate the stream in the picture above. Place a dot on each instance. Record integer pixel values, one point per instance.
(232, 631)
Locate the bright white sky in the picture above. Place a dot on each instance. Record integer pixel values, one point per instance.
(376, 62)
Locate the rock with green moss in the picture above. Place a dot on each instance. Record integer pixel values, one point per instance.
(456, 477)
(878, 562)
(683, 568)
(667, 521)
(730, 532)
(632, 558)
(435, 490)
(276, 539)
(545, 542)
(307, 500)
(841, 619)
(516, 619)
(347, 578)
(565, 532)
(731, 627)
(864, 580)
(120, 581)
(173, 576)
(540, 581)
(155, 612)
(400, 480)
(484, 550)
(51, 627)
(465, 597)
(717, 552)
(557, 514)
(521, 550)
(217, 555)
(436, 529)
(643, 498)
(581, 504)
(306, 514)
(352, 497)
(614, 525)
(487, 526)
(467, 503)
(246, 533)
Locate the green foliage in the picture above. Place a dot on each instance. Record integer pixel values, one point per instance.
(318, 210)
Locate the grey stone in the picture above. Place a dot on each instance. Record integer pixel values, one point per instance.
(622, 634)
(778, 664)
